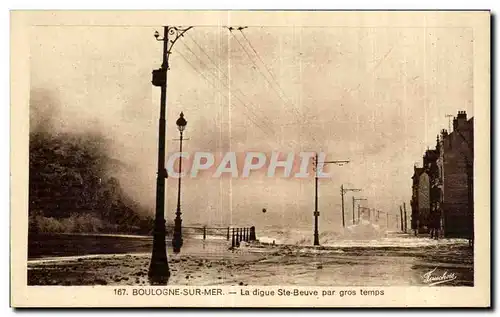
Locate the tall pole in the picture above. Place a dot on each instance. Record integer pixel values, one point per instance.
(316, 212)
(353, 200)
(158, 270)
(401, 216)
(342, 194)
(406, 222)
(177, 238)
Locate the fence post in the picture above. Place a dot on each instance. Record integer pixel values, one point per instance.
(247, 234)
(252, 234)
(204, 232)
(232, 241)
(237, 237)
(227, 234)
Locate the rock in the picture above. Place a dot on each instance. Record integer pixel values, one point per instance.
(187, 277)
(100, 281)
(319, 266)
(241, 284)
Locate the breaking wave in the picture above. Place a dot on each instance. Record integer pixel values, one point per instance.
(364, 234)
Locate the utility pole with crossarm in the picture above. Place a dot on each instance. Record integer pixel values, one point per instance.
(316, 211)
(353, 206)
(343, 191)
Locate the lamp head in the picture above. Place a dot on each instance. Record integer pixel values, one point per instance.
(181, 122)
(157, 34)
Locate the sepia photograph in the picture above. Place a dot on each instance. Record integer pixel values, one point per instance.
(225, 152)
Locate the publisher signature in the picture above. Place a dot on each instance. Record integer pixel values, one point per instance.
(433, 279)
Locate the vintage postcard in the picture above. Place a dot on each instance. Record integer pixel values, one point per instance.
(250, 159)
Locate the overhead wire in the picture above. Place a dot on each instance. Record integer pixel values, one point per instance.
(243, 103)
(297, 113)
(220, 71)
(215, 86)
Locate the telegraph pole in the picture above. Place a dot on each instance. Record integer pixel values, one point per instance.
(342, 192)
(406, 222)
(316, 212)
(353, 204)
(401, 216)
(449, 116)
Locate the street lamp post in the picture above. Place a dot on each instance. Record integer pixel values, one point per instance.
(177, 239)
(342, 193)
(159, 272)
(316, 212)
(353, 206)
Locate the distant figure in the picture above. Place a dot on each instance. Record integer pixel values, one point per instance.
(274, 242)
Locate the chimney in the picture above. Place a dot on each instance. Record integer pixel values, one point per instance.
(444, 134)
(461, 119)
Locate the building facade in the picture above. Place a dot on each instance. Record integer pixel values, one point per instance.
(442, 190)
(415, 222)
(457, 173)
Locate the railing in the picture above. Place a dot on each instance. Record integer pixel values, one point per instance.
(236, 235)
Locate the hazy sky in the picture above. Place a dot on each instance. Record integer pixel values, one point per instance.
(375, 96)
